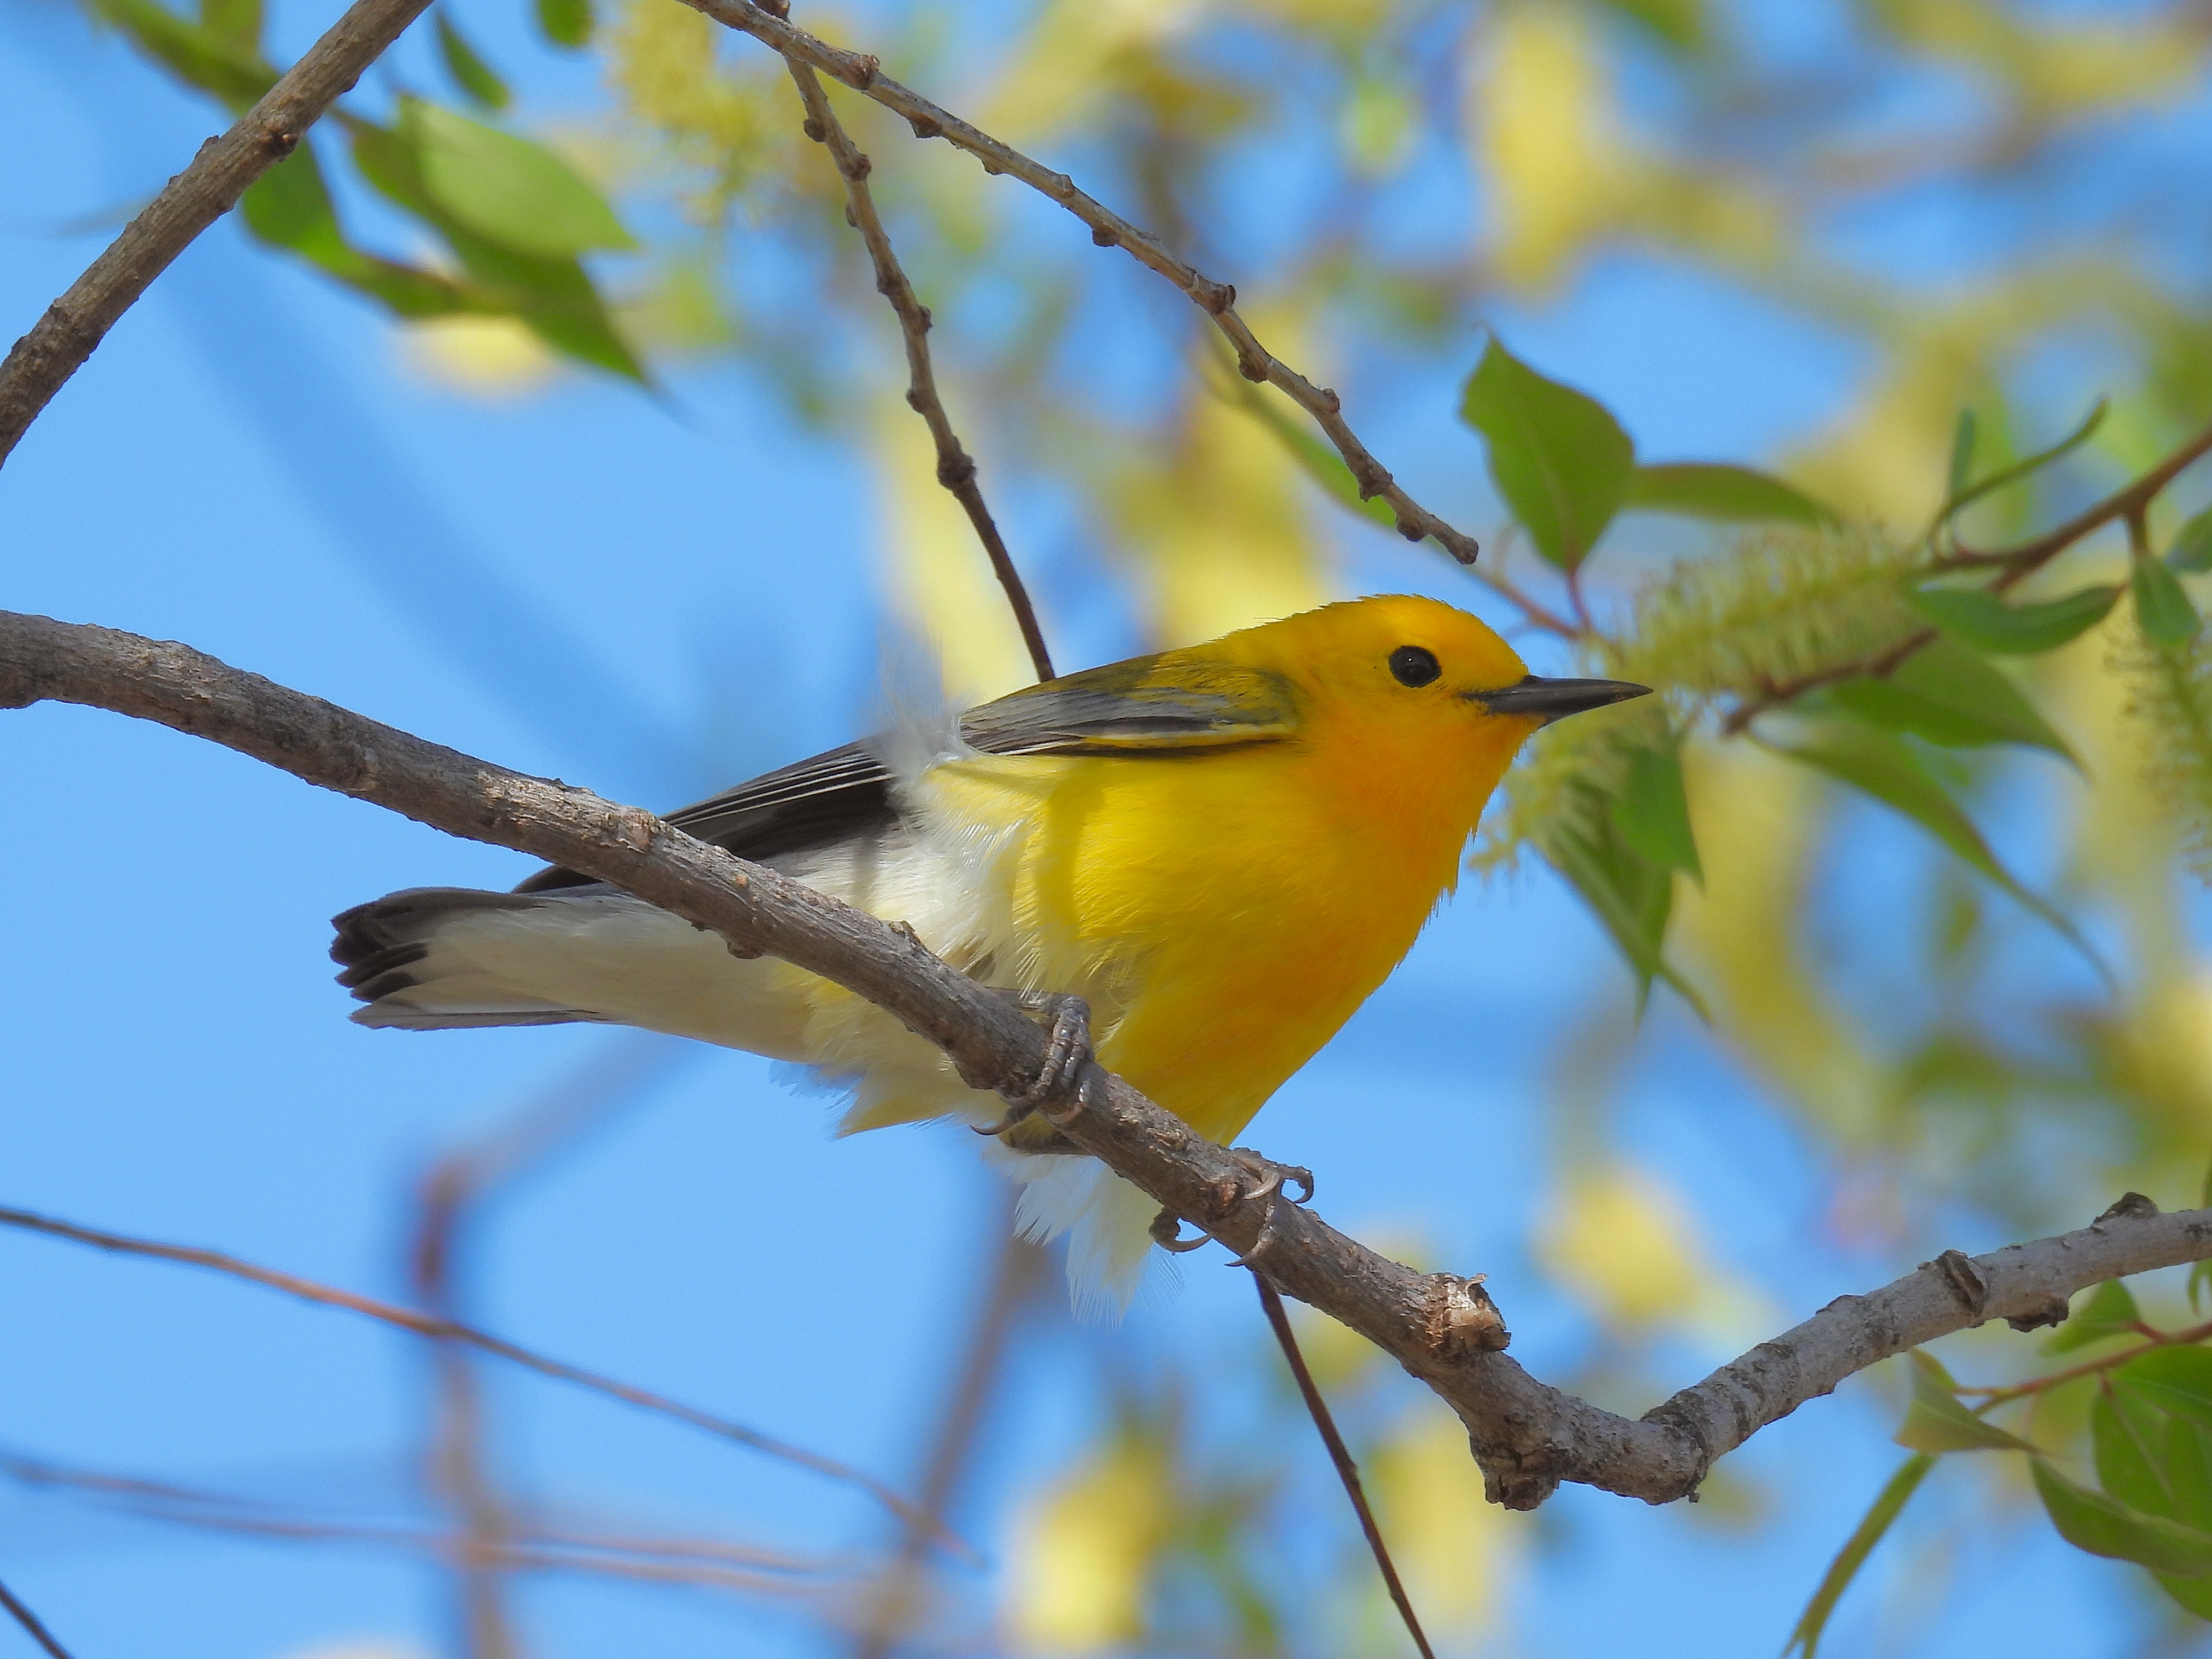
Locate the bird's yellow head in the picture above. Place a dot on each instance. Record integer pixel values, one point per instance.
(1387, 707)
(1404, 687)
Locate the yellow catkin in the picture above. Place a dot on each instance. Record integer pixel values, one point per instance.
(2169, 706)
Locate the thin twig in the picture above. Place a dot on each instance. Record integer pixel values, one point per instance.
(2001, 1394)
(1445, 1330)
(421, 1324)
(73, 326)
(1341, 1454)
(690, 1560)
(863, 73)
(956, 467)
(1019, 1267)
(29, 1620)
(2029, 556)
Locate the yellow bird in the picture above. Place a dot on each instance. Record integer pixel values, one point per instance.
(1224, 849)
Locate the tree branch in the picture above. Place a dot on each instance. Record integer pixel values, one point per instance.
(1443, 1328)
(447, 1330)
(956, 467)
(1255, 361)
(73, 326)
(32, 1626)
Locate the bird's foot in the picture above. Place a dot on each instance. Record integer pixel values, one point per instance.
(1268, 1180)
(1067, 1051)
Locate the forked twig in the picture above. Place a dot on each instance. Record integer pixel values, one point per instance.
(863, 74)
(1341, 1454)
(956, 467)
(73, 326)
(29, 1620)
(407, 1319)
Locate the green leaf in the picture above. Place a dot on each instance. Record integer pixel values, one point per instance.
(2110, 1311)
(2103, 1525)
(1962, 458)
(236, 23)
(1882, 767)
(1632, 899)
(194, 53)
(1559, 460)
(1984, 621)
(2127, 1437)
(289, 207)
(1888, 1504)
(1713, 489)
(566, 23)
(2162, 610)
(2177, 1380)
(470, 71)
(1936, 1422)
(1652, 812)
(2192, 546)
(505, 189)
(1949, 695)
(554, 297)
(1961, 492)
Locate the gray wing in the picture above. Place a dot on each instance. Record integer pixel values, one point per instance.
(1126, 709)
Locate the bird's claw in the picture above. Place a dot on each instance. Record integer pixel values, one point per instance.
(1269, 1180)
(1068, 1052)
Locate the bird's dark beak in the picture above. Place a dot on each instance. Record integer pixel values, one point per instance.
(1552, 700)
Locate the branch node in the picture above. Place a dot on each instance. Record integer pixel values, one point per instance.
(2044, 1308)
(1410, 531)
(956, 469)
(1966, 1279)
(1214, 297)
(926, 126)
(2129, 1206)
(991, 166)
(853, 220)
(1253, 370)
(1459, 1318)
(1330, 401)
(1105, 236)
(859, 167)
(865, 71)
(814, 129)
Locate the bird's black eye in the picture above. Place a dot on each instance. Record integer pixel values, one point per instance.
(1412, 665)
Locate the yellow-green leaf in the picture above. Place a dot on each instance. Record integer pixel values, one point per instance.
(1652, 812)
(1888, 1503)
(2192, 546)
(1714, 490)
(1936, 1422)
(1559, 459)
(1882, 767)
(566, 23)
(506, 189)
(2110, 1311)
(2176, 1379)
(1984, 620)
(1950, 694)
(2163, 611)
(471, 73)
(2102, 1525)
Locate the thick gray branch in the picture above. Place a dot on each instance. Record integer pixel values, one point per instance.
(75, 324)
(1108, 229)
(1445, 1330)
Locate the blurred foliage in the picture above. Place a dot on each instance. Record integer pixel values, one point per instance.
(1881, 765)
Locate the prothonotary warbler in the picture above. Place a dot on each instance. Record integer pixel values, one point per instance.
(1223, 848)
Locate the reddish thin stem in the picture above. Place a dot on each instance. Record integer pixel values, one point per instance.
(1346, 1470)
